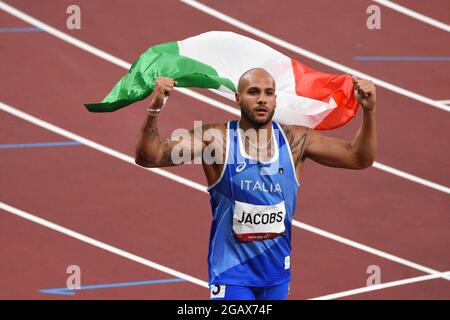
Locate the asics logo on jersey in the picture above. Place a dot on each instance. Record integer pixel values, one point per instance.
(241, 167)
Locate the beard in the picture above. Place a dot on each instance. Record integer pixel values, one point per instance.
(249, 116)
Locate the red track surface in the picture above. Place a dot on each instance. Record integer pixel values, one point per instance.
(168, 223)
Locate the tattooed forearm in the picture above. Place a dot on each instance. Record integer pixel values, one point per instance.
(150, 131)
(151, 151)
(166, 156)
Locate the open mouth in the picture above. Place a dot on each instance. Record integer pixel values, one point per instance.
(261, 110)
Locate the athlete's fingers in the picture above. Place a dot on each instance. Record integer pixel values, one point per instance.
(166, 88)
(365, 88)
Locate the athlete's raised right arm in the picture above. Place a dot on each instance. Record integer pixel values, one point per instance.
(154, 151)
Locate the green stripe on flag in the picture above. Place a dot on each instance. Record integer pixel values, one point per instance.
(162, 60)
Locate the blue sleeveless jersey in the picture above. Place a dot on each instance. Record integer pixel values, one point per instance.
(252, 206)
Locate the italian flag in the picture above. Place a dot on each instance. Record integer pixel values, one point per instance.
(216, 59)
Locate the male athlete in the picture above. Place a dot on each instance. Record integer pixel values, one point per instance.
(253, 180)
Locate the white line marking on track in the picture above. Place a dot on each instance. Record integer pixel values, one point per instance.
(413, 14)
(195, 95)
(313, 56)
(162, 268)
(97, 146)
(101, 245)
(411, 177)
(363, 247)
(444, 101)
(119, 62)
(104, 55)
(199, 187)
(382, 286)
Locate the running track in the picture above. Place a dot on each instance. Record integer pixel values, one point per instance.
(156, 220)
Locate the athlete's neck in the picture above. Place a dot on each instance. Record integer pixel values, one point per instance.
(245, 125)
(257, 139)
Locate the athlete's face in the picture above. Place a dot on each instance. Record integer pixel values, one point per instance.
(256, 97)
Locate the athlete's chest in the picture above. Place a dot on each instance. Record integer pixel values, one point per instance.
(270, 178)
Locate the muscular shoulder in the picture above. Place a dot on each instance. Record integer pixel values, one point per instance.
(213, 132)
(215, 127)
(203, 134)
(299, 139)
(218, 126)
(295, 133)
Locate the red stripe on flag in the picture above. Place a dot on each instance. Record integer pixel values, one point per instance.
(323, 86)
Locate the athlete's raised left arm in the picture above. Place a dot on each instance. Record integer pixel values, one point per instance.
(356, 154)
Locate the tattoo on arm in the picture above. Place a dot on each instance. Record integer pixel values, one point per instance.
(166, 157)
(299, 146)
(149, 142)
(150, 132)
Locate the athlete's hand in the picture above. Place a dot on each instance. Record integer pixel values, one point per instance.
(163, 88)
(365, 93)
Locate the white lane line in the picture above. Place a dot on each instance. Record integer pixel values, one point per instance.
(313, 56)
(63, 36)
(104, 55)
(217, 104)
(199, 187)
(411, 177)
(414, 14)
(363, 247)
(444, 101)
(101, 245)
(97, 146)
(382, 286)
(193, 94)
